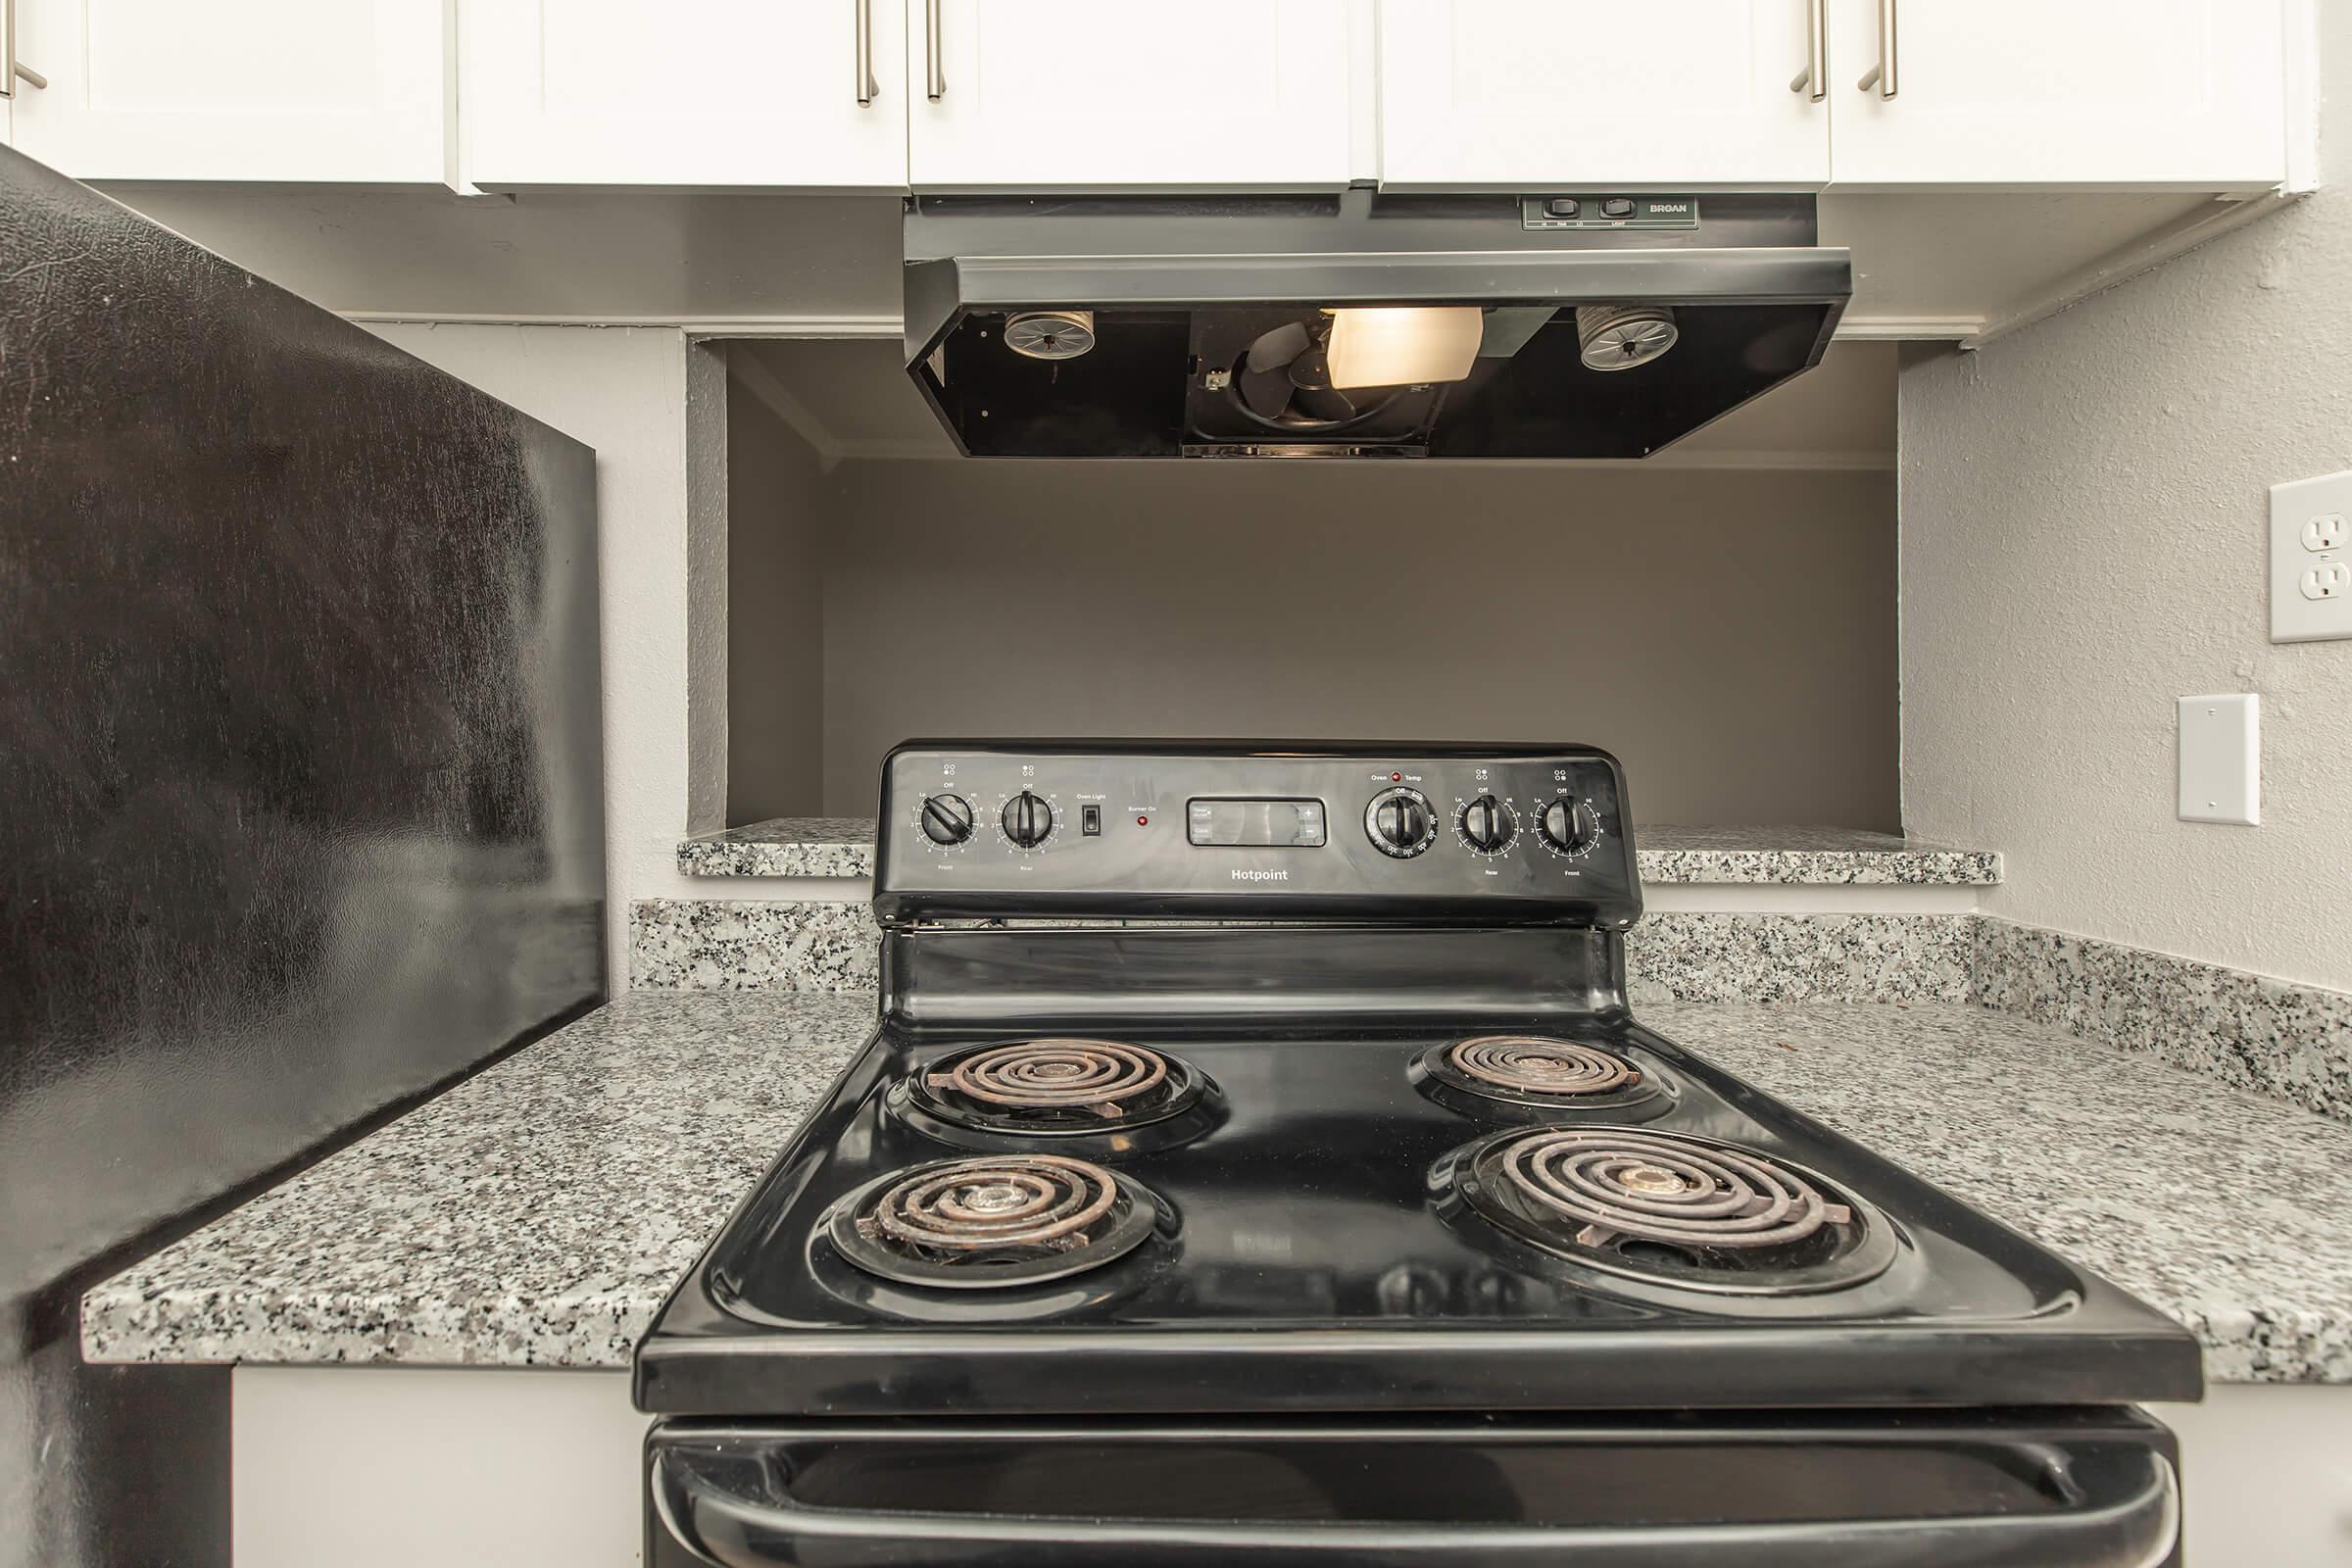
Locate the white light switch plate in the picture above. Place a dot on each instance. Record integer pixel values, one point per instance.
(2220, 759)
(2311, 558)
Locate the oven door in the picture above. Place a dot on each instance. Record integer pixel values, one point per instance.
(2091, 1489)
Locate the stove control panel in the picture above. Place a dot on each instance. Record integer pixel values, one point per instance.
(1170, 829)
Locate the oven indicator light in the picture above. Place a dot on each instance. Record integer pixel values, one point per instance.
(1396, 778)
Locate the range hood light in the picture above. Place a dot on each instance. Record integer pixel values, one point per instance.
(1403, 346)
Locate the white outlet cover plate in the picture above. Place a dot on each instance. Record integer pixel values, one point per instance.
(2220, 759)
(2308, 541)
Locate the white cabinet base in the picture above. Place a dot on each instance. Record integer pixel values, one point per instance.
(387, 1467)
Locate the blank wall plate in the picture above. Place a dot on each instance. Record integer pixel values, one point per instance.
(2220, 759)
(2311, 559)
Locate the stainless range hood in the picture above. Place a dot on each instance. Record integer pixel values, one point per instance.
(1565, 325)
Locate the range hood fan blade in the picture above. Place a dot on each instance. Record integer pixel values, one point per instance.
(1284, 378)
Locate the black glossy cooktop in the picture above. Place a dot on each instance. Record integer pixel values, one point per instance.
(1310, 1219)
(1204, 1087)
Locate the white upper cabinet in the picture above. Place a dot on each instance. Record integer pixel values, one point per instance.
(2183, 93)
(234, 89)
(1181, 94)
(1533, 95)
(804, 94)
(1529, 96)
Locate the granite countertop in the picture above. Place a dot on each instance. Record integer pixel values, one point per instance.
(538, 1214)
(534, 1215)
(844, 846)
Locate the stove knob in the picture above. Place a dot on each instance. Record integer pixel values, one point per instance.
(1399, 822)
(1028, 819)
(1569, 826)
(947, 820)
(1488, 825)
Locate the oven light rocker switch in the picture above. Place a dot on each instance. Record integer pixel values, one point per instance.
(1090, 821)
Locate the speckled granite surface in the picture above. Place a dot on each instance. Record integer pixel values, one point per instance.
(534, 1215)
(1798, 958)
(806, 945)
(2224, 1208)
(1806, 855)
(2250, 1031)
(844, 846)
(752, 944)
(784, 846)
(538, 1214)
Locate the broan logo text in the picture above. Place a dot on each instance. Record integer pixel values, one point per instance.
(1241, 874)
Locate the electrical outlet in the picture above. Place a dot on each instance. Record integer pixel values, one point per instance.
(2311, 559)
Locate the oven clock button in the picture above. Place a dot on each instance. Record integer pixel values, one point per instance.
(1399, 822)
(1028, 819)
(1487, 825)
(1569, 826)
(947, 820)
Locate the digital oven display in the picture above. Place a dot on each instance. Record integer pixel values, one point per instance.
(1257, 824)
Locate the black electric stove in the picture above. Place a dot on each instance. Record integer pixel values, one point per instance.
(1258, 1160)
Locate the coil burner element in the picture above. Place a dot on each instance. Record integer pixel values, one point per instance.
(1672, 1208)
(1536, 1076)
(1541, 1066)
(993, 1222)
(1100, 1096)
(1098, 1076)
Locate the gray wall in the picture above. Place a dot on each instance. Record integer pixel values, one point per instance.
(775, 636)
(1730, 634)
(2085, 540)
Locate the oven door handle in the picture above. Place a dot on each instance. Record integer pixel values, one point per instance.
(2131, 1520)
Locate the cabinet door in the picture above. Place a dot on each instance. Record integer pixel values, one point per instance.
(2184, 93)
(683, 92)
(1627, 95)
(1173, 94)
(234, 89)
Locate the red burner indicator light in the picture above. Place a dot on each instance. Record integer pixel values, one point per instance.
(1143, 821)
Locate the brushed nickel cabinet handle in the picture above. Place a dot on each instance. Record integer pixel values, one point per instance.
(1814, 80)
(935, 66)
(13, 69)
(1881, 74)
(867, 85)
